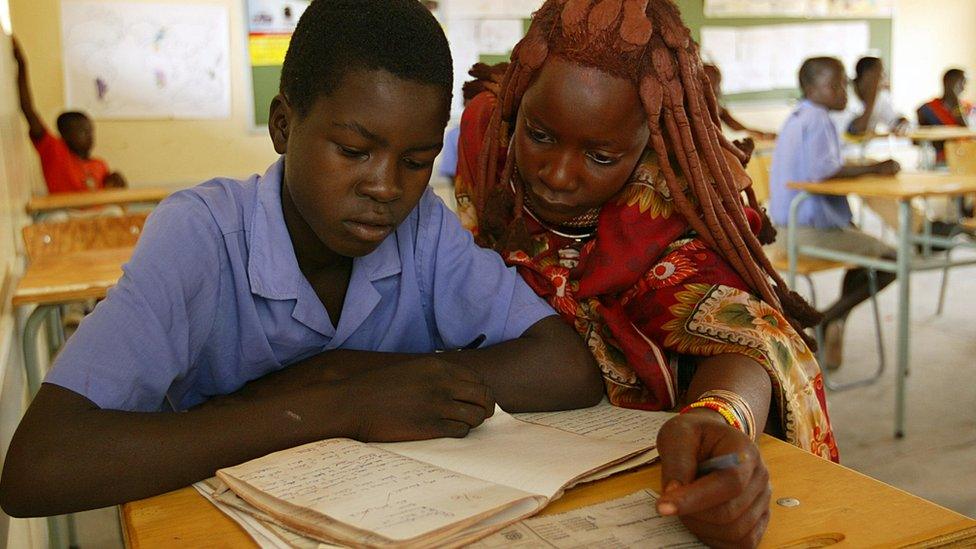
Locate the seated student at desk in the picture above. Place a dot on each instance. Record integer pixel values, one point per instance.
(715, 80)
(949, 110)
(808, 149)
(66, 161)
(311, 301)
(869, 109)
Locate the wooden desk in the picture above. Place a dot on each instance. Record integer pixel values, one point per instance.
(906, 185)
(902, 187)
(941, 133)
(53, 281)
(835, 504)
(70, 277)
(107, 197)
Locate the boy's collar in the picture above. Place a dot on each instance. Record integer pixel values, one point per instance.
(272, 267)
(813, 104)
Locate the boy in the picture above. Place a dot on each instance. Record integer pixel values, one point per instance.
(304, 304)
(949, 110)
(808, 149)
(870, 106)
(66, 162)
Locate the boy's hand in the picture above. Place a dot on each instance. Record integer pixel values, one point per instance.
(725, 508)
(420, 399)
(872, 85)
(747, 146)
(888, 167)
(114, 180)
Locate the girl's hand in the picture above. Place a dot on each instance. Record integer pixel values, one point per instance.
(725, 508)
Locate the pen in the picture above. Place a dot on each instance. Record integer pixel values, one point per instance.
(475, 343)
(726, 461)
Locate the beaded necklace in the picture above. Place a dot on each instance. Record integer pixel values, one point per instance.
(580, 228)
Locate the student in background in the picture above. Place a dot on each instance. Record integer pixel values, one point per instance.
(869, 109)
(309, 302)
(66, 161)
(808, 149)
(715, 80)
(593, 166)
(950, 109)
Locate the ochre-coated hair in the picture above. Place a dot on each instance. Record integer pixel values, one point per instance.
(646, 41)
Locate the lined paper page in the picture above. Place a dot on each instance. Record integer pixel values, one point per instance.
(369, 488)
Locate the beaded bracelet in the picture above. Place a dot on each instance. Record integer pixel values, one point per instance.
(721, 407)
(739, 405)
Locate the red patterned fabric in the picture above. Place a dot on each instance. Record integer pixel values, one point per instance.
(646, 291)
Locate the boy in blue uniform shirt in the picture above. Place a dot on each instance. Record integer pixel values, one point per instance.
(808, 149)
(304, 304)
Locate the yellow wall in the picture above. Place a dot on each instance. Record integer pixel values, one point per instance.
(162, 152)
(930, 37)
(927, 40)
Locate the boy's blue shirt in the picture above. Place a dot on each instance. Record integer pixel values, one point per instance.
(213, 298)
(807, 149)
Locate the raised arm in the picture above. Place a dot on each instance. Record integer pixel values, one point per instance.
(34, 122)
(859, 126)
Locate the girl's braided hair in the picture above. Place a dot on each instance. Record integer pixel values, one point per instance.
(646, 41)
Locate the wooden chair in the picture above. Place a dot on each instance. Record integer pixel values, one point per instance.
(758, 170)
(961, 160)
(806, 267)
(52, 239)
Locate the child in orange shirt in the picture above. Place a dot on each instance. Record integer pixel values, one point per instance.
(66, 161)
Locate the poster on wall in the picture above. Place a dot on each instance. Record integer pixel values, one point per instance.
(799, 8)
(270, 24)
(146, 60)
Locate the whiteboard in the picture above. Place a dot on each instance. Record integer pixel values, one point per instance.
(768, 57)
(146, 60)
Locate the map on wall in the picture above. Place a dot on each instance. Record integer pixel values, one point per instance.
(799, 8)
(147, 60)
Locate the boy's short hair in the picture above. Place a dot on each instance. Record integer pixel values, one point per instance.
(951, 75)
(864, 65)
(335, 37)
(67, 118)
(813, 68)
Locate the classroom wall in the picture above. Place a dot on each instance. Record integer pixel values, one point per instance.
(930, 37)
(154, 152)
(15, 156)
(186, 152)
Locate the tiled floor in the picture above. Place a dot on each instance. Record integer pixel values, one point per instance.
(936, 459)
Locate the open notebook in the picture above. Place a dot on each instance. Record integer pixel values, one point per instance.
(444, 492)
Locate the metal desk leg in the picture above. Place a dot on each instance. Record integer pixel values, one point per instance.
(904, 294)
(55, 330)
(791, 240)
(31, 363)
